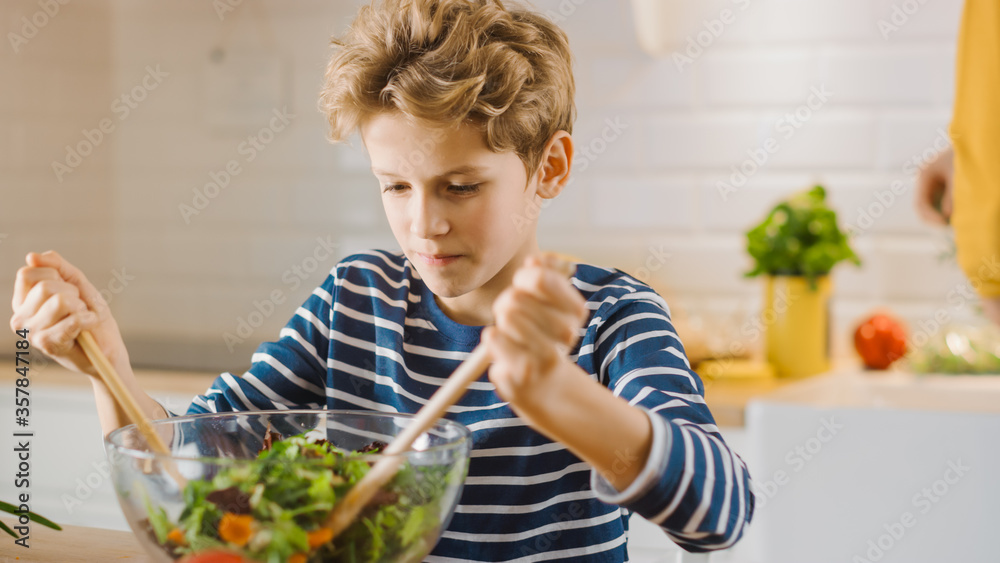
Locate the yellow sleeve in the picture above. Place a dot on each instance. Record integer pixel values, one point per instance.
(975, 133)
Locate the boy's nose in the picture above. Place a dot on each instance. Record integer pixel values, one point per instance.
(427, 219)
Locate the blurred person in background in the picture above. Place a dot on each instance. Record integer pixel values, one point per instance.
(961, 186)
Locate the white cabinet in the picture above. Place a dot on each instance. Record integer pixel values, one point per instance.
(886, 467)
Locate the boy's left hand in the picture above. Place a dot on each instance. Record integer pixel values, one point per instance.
(537, 322)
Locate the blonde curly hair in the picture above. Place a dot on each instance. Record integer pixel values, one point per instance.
(446, 62)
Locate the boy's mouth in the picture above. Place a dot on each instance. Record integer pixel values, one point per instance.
(437, 259)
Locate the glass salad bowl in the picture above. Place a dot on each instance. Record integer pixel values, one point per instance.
(256, 486)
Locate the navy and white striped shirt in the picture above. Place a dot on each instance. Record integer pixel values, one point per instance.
(372, 337)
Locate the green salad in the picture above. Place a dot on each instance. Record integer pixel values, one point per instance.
(966, 350)
(270, 509)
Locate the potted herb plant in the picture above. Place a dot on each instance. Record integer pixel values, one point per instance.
(795, 247)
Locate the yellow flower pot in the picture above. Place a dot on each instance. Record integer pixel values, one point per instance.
(797, 325)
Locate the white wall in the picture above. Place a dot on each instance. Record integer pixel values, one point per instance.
(692, 121)
(55, 82)
(649, 187)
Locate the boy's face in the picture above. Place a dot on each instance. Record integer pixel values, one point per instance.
(461, 213)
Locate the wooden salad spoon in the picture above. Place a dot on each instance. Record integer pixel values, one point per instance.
(388, 464)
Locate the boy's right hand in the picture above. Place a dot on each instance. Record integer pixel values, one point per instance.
(55, 302)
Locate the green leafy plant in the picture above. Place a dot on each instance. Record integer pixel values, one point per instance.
(799, 237)
(10, 508)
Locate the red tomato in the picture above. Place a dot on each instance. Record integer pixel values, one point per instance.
(880, 341)
(215, 556)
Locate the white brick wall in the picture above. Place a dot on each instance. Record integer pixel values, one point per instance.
(649, 181)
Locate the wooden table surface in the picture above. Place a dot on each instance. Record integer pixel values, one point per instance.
(73, 544)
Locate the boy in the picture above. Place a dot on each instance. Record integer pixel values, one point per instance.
(590, 410)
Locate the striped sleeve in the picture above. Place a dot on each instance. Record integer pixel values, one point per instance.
(284, 374)
(693, 486)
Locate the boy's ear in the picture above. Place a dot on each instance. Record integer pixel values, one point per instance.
(557, 160)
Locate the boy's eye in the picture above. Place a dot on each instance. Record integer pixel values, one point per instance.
(465, 189)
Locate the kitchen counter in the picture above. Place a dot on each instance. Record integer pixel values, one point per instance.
(726, 399)
(893, 390)
(74, 544)
(167, 381)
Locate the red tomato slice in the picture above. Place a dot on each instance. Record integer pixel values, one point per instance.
(215, 556)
